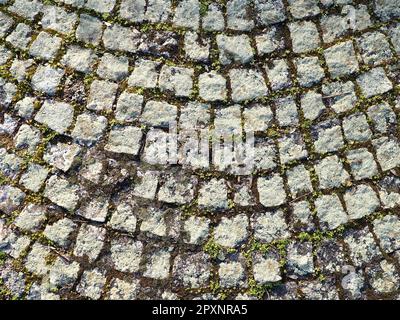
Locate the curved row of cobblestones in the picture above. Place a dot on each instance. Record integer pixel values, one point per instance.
(90, 206)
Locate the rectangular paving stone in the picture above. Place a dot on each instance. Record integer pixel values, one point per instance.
(56, 115)
(124, 140)
(200, 150)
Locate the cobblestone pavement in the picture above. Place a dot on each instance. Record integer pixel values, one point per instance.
(90, 209)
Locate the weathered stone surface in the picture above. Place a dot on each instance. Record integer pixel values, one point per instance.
(89, 29)
(34, 177)
(102, 95)
(330, 211)
(331, 173)
(361, 201)
(126, 254)
(212, 87)
(341, 59)
(60, 232)
(247, 84)
(374, 82)
(79, 59)
(363, 248)
(91, 284)
(62, 155)
(267, 270)
(387, 230)
(270, 226)
(36, 261)
(192, 270)
(46, 79)
(271, 191)
(56, 115)
(89, 128)
(231, 232)
(213, 194)
(300, 259)
(196, 149)
(89, 242)
(124, 140)
(304, 36)
(45, 46)
(61, 192)
(31, 218)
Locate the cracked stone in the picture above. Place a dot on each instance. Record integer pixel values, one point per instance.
(340, 96)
